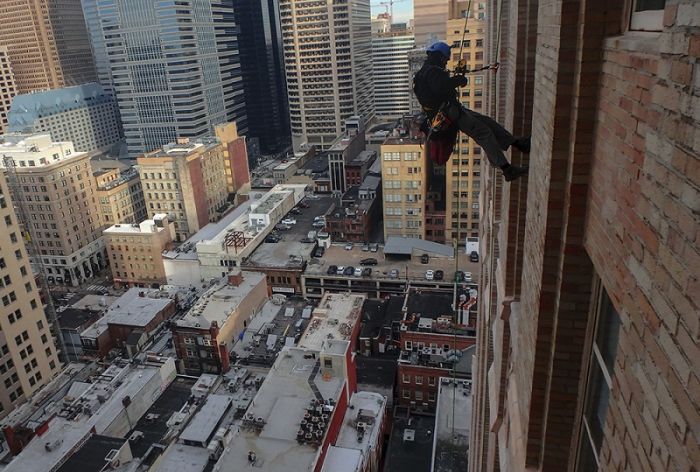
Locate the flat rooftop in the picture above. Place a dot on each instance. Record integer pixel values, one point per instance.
(452, 426)
(91, 456)
(94, 302)
(73, 318)
(362, 423)
(333, 320)
(205, 422)
(217, 303)
(283, 254)
(280, 406)
(411, 443)
(183, 458)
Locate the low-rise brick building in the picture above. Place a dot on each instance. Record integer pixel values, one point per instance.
(356, 214)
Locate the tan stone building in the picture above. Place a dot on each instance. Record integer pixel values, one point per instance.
(47, 42)
(405, 183)
(235, 157)
(588, 331)
(186, 180)
(58, 192)
(28, 358)
(7, 87)
(463, 170)
(134, 251)
(429, 17)
(120, 196)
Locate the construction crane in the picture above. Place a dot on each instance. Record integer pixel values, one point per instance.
(18, 200)
(389, 5)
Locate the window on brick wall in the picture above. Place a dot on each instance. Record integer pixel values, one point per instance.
(599, 380)
(647, 15)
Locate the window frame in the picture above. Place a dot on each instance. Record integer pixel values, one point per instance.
(645, 20)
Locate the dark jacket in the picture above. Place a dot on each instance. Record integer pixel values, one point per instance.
(433, 86)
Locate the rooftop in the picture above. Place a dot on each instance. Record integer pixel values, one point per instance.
(33, 151)
(376, 371)
(94, 302)
(183, 149)
(92, 456)
(410, 444)
(145, 227)
(125, 176)
(363, 158)
(286, 254)
(362, 424)
(183, 458)
(407, 246)
(452, 426)
(220, 301)
(76, 318)
(274, 420)
(205, 422)
(333, 319)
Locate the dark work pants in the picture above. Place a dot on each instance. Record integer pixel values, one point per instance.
(492, 137)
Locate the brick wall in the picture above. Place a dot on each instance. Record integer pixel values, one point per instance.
(613, 193)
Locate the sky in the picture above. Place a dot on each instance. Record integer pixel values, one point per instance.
(403, 10)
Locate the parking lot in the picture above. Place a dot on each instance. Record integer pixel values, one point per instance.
(304, 221)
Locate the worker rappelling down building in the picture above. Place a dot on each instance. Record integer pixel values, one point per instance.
(435, 89)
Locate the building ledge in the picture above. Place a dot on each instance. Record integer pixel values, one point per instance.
(635, 41)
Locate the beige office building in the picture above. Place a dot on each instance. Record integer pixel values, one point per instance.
(28, 357)
(7, 87)
(429, 21)
(47, 42)
(405, 185)
(463, 172)
(328, 61)
(134, 251)
(235, 157)
(186, 180)
(58, 193)
(120, 196)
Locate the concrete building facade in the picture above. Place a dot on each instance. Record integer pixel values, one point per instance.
(120, 196)
(56, 186)
(188, 181)
(85, 115)
(7, 87)
(235, 157)
(588, 325)
(28, 358)
(166, 84)
(47, 42)
(134, 251)
(392, 86)
(328, 61)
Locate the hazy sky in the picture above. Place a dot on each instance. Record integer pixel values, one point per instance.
(403, 10)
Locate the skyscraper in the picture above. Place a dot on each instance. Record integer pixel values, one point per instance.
(328, 60)
(262, 70)
(392, 88)
(430, 21)
(27, 354)
(47, 43)
(588, 326)
(7, 86)
(169, 81)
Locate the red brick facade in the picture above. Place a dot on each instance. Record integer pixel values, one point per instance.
(612, 204)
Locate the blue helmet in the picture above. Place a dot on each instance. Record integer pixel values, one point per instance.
(440, 47)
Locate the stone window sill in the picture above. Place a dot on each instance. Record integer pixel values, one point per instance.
(635, 41)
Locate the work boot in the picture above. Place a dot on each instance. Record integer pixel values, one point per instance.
(522, 144)
(513, 172)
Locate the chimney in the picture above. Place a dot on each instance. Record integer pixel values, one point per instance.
(235, 277)
(182, 140)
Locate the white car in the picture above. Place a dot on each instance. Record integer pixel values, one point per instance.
(340, 270)
(467, 277)
(348, 247)
(429, 275)
(289, 221)
(358, 271)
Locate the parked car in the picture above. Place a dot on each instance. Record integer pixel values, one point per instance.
(318, 224)
(349, 270)
(424, 259)
(332, 270)
(367, 272)
(295, 211)
(303, 204)
(319, 251)
(358, 271)
(459, 276)
(283, 227)
(373, 247)
(429, 275)
(365, 247)
(394, 273)
(474, 256)
(348, 247)
(340, 270)
(370, 261)
(439, 275)
(289, 221)
(467, 277)
(271, 238)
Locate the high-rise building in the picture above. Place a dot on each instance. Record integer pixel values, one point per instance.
(57, 189)
(262, 70)
(403, 176)
(134, 251)
(28, 358)
(429, 21)
(328, 61)
(186, 180)
(169, 83)
(463, 170)
(7, 87)
(392, 87)
(120, 196)
(588, 322)
(47, 43)
(85, 115)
